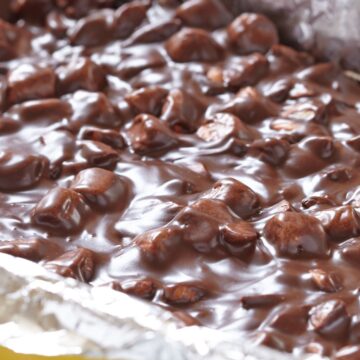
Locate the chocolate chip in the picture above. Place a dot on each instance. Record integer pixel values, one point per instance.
(240, 198)
(250, 106)
(47, 111)
(272, 151)
(326, 281)
(183, 294)
(142, 288)
(252, 33)
(322, 73)
(101, 188)
(245, 71)
(192, 14)
(322, 146)
(29, 82)
(339, 173)
(222, 126)
(193, 45)
(200, 230)
(60, 210)
(181, 111)
(239, 238)
(156, 245)
(97, 154)
(215, 209)
(128, 17)
(296, 235)
(350, 251)
(310, 110)
(20, 171)
(330, 319)
(81, 73)
(107, 136)
(14, 41)
(341, 223)
(31, 249)
(147, 134)
(261, 301)
(92, 108)
(92, 30)
(147, 100)
(78, 264)
(156, 32)
(133, 65)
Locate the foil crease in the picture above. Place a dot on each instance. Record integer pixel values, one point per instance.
(44, 314)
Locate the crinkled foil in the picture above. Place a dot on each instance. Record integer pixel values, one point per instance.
(44, 314)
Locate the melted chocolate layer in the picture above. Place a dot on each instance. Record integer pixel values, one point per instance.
(184, 156)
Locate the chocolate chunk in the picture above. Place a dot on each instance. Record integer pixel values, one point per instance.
(148, 134)
(60, 210)
(193, 45)
(239, 238)
(350, 251)
(47, 111)
(92, 108)
(296, 235)
(155, 32)
(252, 33)
(92, 30)
(222, 126)
(14, 41)
(147, 100)
(100, 187)
(181, 111)
(19, 171)
(128, 17)
(157, 245)
(82, 74)
(97, 154)
(245, 71)
(108, 137)
(341, 223)
(192, 14)
(142, 288)
(30, 82)
(135, 64)
(215, 209)
(338, 173)
(183, 294)
(250, 106)
(326, 281)
(200, 230)
(240, 198)
(322, 146)
(261, 301)
(78, 264)
(271, 151)
(31, 249)
(330, 319)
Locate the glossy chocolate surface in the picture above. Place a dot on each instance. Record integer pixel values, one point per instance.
(184, 156)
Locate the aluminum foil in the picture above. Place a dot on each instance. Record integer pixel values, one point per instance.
(44, 314)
